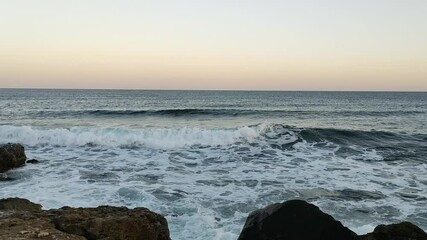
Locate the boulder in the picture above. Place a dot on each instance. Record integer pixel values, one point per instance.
(400, 231)
(294, 220)
(11, 156)
(22, 219)
(106, 222)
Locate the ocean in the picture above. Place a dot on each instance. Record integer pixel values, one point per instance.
(206, 159)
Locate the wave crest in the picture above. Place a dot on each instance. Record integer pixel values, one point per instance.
(126, 137)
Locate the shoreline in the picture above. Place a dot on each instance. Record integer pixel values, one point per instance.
(290, 220)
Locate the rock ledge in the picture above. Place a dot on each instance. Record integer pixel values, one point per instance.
(22, 219)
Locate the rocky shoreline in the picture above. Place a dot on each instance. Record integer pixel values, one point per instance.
(290, 220)
(22, 219)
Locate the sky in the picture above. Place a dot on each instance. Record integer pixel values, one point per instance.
(364, 45)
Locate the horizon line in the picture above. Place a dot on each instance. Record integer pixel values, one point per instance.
(214, 90)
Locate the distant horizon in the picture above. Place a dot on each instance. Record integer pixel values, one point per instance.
(216, 90)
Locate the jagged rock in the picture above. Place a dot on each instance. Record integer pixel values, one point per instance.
(112, 222)
(22, 219)
(11, 156)
(294, 220)
(400, 231)
(19, 204)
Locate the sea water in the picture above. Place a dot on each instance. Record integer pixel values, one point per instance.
(206, 159)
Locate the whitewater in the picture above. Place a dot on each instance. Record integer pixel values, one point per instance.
(205, 160)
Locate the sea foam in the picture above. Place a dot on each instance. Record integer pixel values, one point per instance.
(127, 137)
(206, 181)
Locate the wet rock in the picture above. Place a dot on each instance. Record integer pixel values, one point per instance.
(294, 220)
(11, 156)
(107, 222)
(400, 231)
(22, 219)
(19, 204)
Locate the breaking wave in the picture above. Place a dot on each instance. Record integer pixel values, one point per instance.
(126, 137)
(393, 146)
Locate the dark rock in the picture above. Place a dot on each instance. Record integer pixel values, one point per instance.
(22, 219)
(400, 231)
(19, 204)
(33, 161)
(112, 223)
(11, 156)
(293, 220)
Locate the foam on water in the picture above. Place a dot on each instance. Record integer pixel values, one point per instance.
(122, 137)
(206, 181)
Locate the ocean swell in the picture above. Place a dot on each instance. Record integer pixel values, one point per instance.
(215, 112)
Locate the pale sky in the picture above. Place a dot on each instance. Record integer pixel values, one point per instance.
(216, 44)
